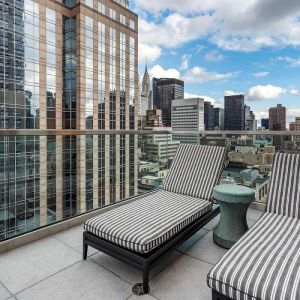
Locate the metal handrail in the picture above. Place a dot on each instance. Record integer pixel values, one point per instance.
(64, 132)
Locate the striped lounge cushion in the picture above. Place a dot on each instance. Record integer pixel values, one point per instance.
(264, 264)
(196, 170)
(147, 222)
(284, 194)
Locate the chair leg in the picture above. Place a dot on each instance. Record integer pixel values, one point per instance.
(146, 280)
(85, 249)
(142, 288)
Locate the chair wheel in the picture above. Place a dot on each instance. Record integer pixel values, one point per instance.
(138, 290)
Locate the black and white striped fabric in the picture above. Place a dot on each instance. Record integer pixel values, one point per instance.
(284, 191)
(264, 264)
(147, 222)
(195, 170)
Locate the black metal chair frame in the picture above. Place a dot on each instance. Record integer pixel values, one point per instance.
(218, 296)
(145, 262)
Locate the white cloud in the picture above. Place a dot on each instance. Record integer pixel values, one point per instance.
(295, 92)
(189, 95)
(185, 62)
(260, 74)
(205, 98)
(200, 75)
(230, 93)
(213, 56)
(174, 30)
(246, 26)
(292, 62)
(261, 115)
(149, 53)
(264, 92)
(159, 72)
(293, 113)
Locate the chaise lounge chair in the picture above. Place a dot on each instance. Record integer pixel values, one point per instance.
(265, 263)
(143, 231)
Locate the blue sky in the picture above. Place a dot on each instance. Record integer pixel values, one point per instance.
(223, 47)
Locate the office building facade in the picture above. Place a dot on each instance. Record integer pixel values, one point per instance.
(209, 118)
(167, 90)
(219, 118)
(234, 112)
(277, 118)
(160, 147)
(247, 118)
(187, 115)
(68, 64)
(265, 123)
(295, 126)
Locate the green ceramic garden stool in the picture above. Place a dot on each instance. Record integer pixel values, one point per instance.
(234, 201)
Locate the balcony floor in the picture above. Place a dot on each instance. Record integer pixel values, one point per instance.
(52, 268)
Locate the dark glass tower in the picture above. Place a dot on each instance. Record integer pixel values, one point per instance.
(234, 112)
(219, 118)
(209, 119)
(168, 89)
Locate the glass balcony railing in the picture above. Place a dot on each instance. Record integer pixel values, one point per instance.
(51, 176)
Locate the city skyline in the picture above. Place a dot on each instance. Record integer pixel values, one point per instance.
(252, 54)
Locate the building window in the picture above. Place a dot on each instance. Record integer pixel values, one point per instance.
(89, 72)
(122, 80)
(51, 68)
(132, 82)
(112, 76)
(122, 19)
(112, 14)
(69, 72)
(89, 3)
(132, 24)
(101, 8)
(101, 76)
(101, 170)
(89, 172)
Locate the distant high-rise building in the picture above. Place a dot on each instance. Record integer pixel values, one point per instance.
(187, 115)
(167, 90)
(265, 123)
(153, 118)
(146, 83)
(295, 126)
(153, 93)
(219, 118)
(277, 118)
(247, 118)
(234, 115)
(209, 118)
(252, 122)
(159, 147)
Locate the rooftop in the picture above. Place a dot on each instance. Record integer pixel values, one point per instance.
(52, 268)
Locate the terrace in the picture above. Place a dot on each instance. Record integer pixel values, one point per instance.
(47, 262)
(52, 268)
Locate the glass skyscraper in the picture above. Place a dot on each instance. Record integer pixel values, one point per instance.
(167, 89)
(234, 112)
(65, 65)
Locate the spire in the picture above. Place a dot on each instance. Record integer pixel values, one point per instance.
(146, 81)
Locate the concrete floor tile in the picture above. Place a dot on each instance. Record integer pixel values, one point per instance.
(205, 249)
(29, 264)
(4, 294)
(73, 238)
(83, 280)
(183, 279)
